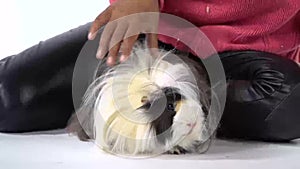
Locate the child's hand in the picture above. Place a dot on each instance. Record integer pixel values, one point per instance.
(125, 29)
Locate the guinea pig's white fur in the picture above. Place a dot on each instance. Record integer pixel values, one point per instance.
(113, 99)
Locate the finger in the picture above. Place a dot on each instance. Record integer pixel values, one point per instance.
(119, 33)
(116, 40)
(152, 42)
(105, 39)
(100, 21)
(127, 46)
(113, 54)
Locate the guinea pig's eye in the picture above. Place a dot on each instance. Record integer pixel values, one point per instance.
(144, 99)
(170, 107)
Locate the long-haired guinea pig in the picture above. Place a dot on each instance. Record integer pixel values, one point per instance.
(147, 105)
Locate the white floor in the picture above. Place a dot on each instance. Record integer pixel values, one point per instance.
(25, 23)
(59, 150)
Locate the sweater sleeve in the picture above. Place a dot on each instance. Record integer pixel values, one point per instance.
(161, 3)
(111, 1)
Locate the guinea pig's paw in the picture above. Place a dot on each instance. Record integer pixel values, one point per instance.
(177, 150)
(202, 147)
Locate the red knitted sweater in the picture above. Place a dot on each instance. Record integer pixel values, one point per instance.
(233, 25)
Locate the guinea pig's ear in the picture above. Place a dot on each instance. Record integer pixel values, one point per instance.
(178, 97)
(173, 93)
(145, 106)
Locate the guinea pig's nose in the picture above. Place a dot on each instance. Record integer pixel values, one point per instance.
(192, 125)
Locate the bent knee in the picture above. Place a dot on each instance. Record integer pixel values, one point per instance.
(283, 123)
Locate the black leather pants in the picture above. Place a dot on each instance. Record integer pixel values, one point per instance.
(263, 97)
(263, 90)
(35, 85)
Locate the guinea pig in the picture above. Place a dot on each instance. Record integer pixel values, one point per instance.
(152, 103)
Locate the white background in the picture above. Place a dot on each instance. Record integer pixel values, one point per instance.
(26, 22)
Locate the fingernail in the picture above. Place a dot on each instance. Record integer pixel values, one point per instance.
(110, 61)
(123, 58)
(91, 36)
(99, 54)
